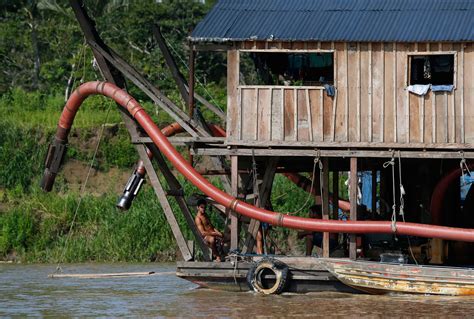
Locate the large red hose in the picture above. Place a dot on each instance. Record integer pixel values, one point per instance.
(297, 179)
(278, 219)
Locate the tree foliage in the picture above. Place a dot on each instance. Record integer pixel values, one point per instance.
(43, 47)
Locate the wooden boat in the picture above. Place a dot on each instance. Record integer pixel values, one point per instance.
(382, 278)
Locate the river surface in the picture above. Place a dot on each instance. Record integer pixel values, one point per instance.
(26, 290)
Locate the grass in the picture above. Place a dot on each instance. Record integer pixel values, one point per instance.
(35, 226)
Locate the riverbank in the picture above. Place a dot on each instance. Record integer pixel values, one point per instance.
(36, 226)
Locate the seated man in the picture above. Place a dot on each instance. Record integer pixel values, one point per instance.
(211, 236)
(316, 238)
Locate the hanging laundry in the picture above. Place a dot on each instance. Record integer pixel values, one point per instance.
(442, 88)
(330, 89)
(419, 89)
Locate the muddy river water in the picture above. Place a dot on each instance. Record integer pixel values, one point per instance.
(26, 290)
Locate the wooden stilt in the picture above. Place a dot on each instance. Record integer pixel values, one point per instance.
(234, 221)
(353, 200)
(325, 204)
(335, 194)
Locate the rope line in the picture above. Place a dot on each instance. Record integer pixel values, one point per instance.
(81, 195)
(394, 205)
(317, 161)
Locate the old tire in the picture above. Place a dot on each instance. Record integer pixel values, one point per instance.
(268, 276)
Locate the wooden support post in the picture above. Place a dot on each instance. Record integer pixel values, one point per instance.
(160, 193)
(263, 199)
(191, 92)
(374, 192)
(353, 200)
(234, 221)
(335, 194)
(325, 204)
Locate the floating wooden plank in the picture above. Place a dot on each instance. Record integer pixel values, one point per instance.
(113, 275)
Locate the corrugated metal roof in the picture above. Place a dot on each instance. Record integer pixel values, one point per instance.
(338, 20)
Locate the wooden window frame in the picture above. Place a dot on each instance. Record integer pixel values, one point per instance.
(276, 50)
(418, 53)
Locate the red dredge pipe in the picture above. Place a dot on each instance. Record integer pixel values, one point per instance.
(277, 219)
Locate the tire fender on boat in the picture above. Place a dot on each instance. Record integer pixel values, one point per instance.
(266, 266)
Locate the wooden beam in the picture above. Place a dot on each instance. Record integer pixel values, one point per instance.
(353, 200)
(160, 193)
(325, 204)
(263, 199)
(343, 153)
(234, 221)
(335, 194)
(178, 76)
(175, 186)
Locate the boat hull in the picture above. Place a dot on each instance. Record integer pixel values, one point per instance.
(383, 278)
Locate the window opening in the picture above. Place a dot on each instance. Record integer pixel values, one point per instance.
(436, 69)
(289, 69)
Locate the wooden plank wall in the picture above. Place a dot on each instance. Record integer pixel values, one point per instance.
(372, 105)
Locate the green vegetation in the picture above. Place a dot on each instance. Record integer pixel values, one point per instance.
(43, 55)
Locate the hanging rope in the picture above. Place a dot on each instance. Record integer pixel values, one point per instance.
(402, 205)
(464, 170)
(402, 189)
(394, 206)
(317, 161)
(81, 196)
